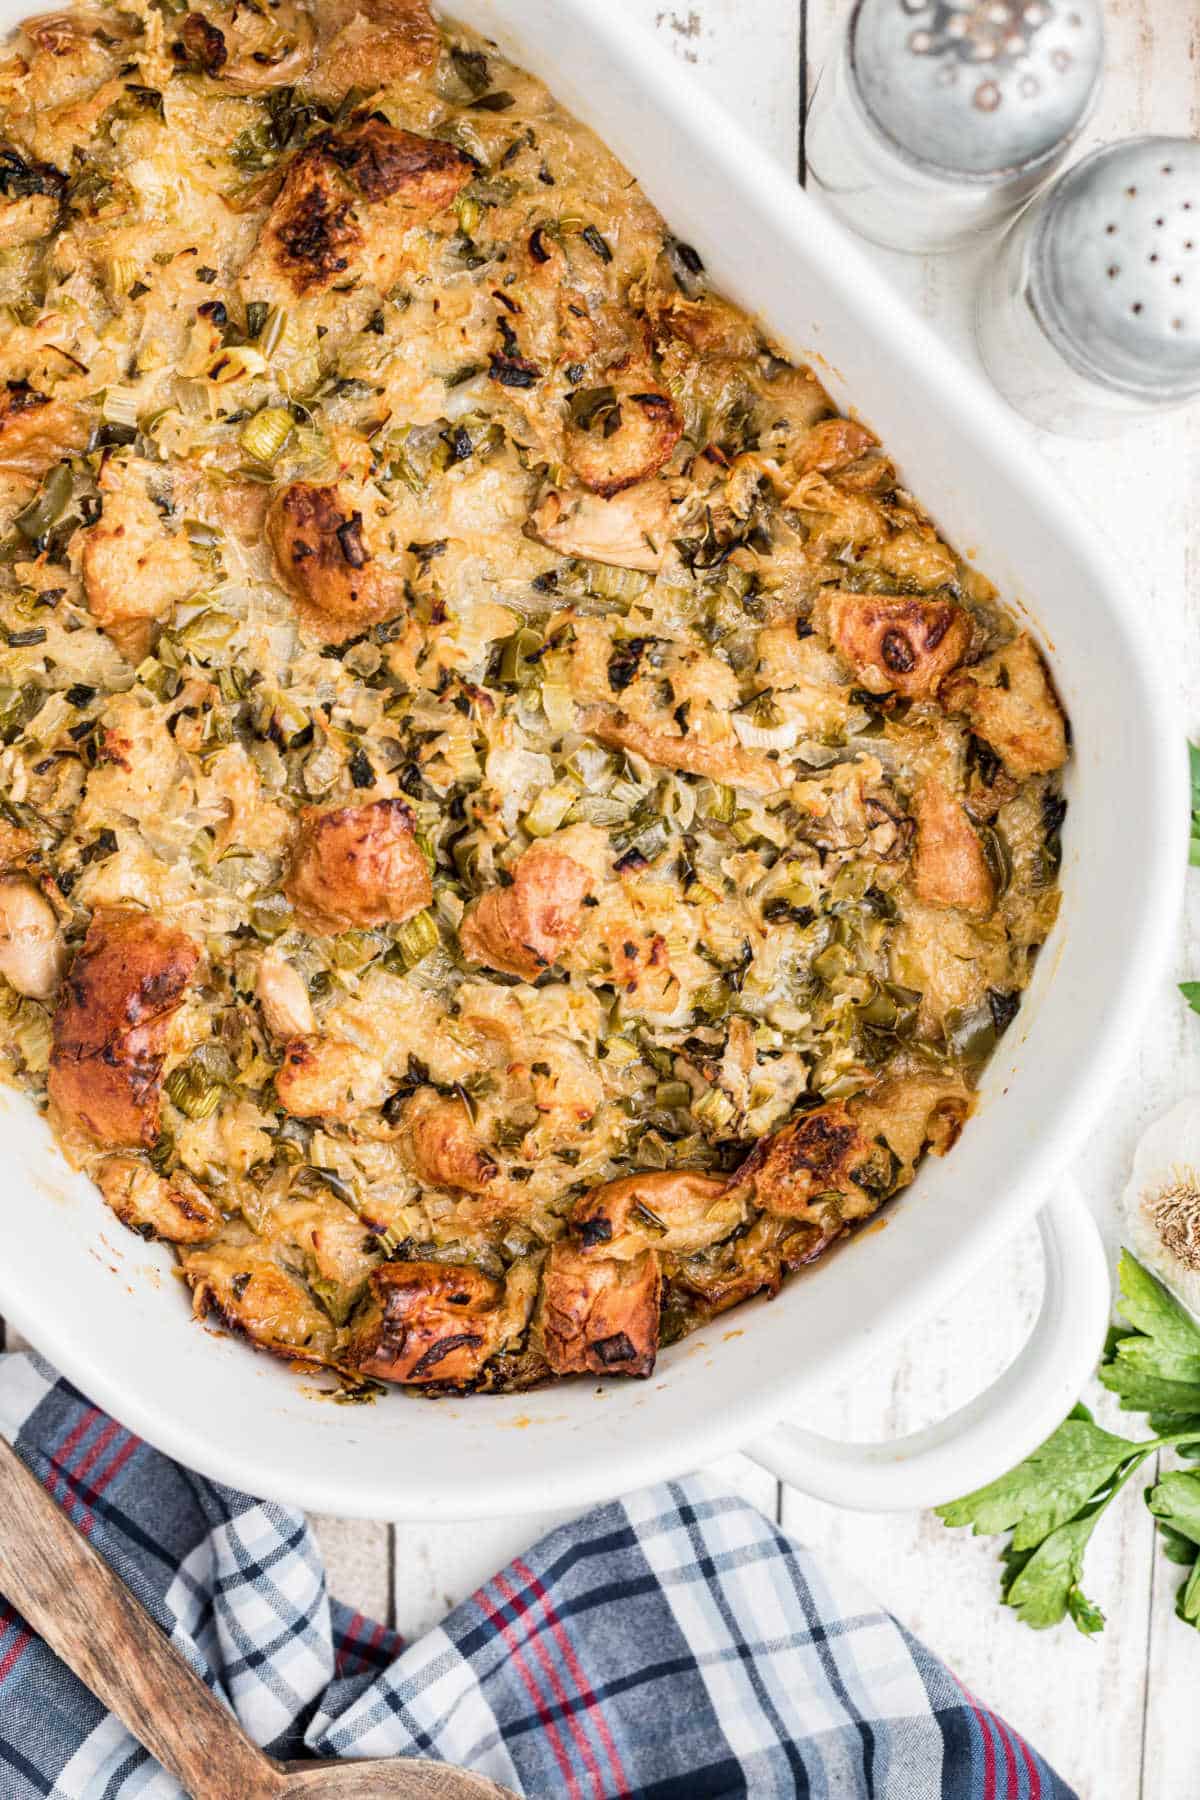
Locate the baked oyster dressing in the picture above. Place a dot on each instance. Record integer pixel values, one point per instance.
(517, 833)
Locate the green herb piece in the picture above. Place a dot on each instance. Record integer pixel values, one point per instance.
(48, 504)
(334, 1297)
(353, 950)
(416, 939)
(714, 1109)
(1191, 989)
(270, 916)
(518, 667)
(1048, 1488)
(471, 67)
(1194, 763)
(596, 244)
(358, 1393)
(499, 101)
(273, 329)
(550, 808)
(672, 1093)
(1175, 1503)
(198, 1084)
(264, 436)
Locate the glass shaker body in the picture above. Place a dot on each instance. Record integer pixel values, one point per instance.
(1088, 313)
(931, 125)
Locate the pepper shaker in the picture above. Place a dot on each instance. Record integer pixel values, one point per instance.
(1088, 314)
(934, 121)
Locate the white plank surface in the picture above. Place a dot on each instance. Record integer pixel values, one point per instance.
(1117, 1717)
(1113, 1716)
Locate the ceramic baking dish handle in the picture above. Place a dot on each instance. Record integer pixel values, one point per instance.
(1000, 1426)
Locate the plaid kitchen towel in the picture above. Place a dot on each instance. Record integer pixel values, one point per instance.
(673, 1645)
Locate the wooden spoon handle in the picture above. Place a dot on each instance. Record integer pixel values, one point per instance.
(72, 1599)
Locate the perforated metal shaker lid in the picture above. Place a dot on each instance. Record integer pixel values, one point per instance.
(981, 90)
(1114, 269)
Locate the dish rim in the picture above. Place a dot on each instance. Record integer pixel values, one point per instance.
(695, 1437)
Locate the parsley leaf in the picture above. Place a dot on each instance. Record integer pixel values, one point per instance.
(1187, 1601)
(1169, 1403)
(1048, 1488)
(1154, 1369)
(1175, 1502)
(1175, 1547)
(1175, 1499)
(1194, 760)
(1191, 989)
(1046, 1587)
(1052, 1502)
(1155, 1312)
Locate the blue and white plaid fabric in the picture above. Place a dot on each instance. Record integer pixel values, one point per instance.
(674, 1645)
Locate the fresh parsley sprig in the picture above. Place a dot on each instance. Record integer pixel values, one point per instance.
(1053, 1501)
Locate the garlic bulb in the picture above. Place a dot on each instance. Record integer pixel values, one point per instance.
(1161, 1202)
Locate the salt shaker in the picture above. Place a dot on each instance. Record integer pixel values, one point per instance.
(1089, 312)
(934, 121)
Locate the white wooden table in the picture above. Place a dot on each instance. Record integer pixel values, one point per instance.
(1117, 1716)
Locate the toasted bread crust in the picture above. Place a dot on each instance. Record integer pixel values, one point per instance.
(111, 1026)
(357, 866)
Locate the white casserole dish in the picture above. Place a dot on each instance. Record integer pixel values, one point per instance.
(107, 1309)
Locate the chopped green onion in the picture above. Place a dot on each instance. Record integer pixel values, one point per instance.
(516, 668)
(469, 214)
(550, 809)
(208, 633)
(714, 1109)
(834, 961)
(163, 682)
(598, 809)
(119, 406)
(699, 893)
(264, 436)
(197, 1085)
(719, 803)
(334, 1297)
(274, 330)
(762, 724)
(283, 719)
(416, 939)
(672, 1093)
(558, 704)
(892, 1009)
(355, 949)
(122, 273)
(48, 504)
(270, 917)
(713, 1000)
(970, 1034)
